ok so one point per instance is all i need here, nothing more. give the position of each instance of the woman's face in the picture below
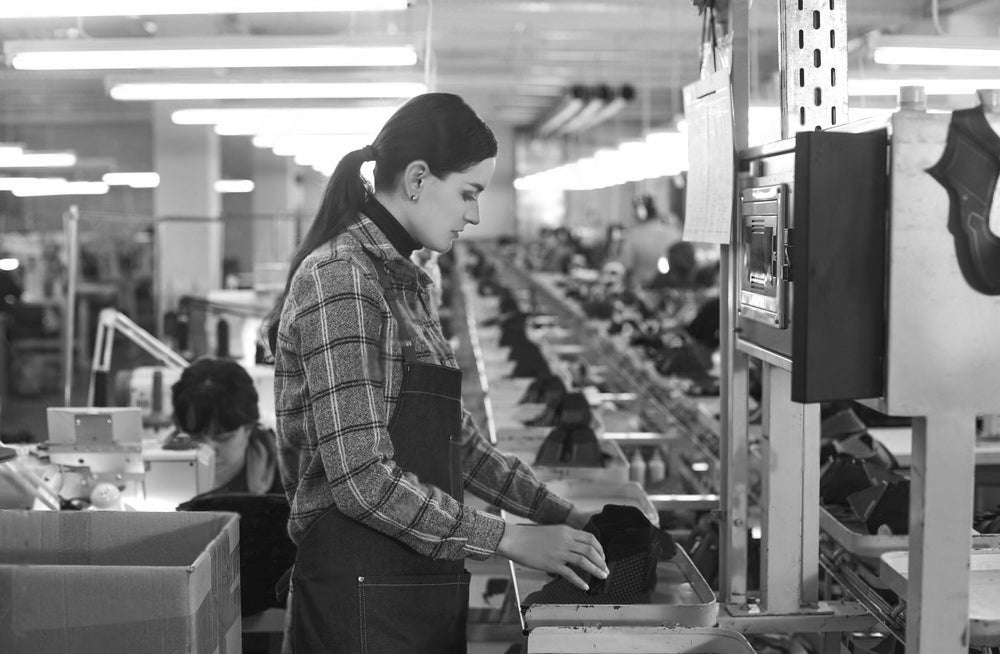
(230, 452)
(445, 206)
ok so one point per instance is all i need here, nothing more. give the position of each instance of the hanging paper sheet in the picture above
(708, 108)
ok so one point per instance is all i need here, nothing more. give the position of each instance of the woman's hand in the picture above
(553, 548)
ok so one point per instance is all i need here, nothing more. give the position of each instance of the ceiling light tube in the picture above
(263, 90)
(218, 52)
(11, 150)
(889, 86)
(234, 186)
(343, 118)
(38, 160)
(134, 180)
(11, 183)
(935, 51)
(51, 186)
(76, 8)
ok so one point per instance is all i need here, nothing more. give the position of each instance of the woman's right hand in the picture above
(552, 548)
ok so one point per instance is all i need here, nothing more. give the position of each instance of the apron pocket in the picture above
(417, 614)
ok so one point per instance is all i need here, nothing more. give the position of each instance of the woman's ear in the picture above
(414, 178)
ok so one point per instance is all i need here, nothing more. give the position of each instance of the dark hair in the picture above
(438, 128)
(214, 395)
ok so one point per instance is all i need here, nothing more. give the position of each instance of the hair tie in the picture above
(368, 152)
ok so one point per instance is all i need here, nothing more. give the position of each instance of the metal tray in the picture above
(637, 640)
(849, 532)
(524, 444)
(984, 591)
(682, 597)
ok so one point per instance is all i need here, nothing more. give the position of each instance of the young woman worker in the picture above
(375, 449)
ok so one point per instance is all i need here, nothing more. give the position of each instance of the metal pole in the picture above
(71, 229)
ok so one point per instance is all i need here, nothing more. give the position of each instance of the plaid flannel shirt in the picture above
(338, 370)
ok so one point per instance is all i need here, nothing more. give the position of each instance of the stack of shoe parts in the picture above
(632, 545)
(857, 474)
(573, 441)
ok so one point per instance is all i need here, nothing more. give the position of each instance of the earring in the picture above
(413, 197)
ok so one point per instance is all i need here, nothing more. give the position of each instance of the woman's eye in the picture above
(469, 197)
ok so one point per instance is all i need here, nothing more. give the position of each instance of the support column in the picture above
(735, 379)
(188, 229)
(237, 208)
(276, 202)
(941, 490)
(790, 546)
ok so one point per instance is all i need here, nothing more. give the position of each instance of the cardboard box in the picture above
(119, 581)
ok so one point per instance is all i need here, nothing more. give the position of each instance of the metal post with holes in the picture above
(813, 56)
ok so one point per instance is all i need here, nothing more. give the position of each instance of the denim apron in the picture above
(358, 590)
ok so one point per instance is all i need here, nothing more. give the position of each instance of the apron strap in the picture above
(405, 333)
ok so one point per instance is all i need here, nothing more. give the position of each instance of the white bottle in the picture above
(637, 467)
(656, 469)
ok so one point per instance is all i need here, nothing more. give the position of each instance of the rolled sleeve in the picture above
(505, 481)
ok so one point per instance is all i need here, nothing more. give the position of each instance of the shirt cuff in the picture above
(487, 530)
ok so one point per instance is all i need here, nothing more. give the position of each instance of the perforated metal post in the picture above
(813, 55)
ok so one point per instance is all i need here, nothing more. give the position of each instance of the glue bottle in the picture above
(656, 468)
(637, 467)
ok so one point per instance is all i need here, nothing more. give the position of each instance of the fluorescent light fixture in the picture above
(889, 86)
(234, 186)
(339, 120)
(218, 52)
(264, 90)
(52, 186)
(935, 51)
(337, 116)
(11, 183)
(75, 8)
(10, 150)
(9, 264)
(135, 180)
(38, 160)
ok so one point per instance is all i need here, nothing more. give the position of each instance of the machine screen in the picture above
(761, 255)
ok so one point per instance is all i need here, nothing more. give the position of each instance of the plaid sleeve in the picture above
(342, 330)
(505, 481)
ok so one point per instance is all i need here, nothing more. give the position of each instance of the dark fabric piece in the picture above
(633, 547)
(396, 233)
(266, 551)
(842, 476)
(891, 507)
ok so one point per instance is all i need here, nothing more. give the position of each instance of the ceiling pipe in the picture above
(569, 107)
(599, 98)
(620, 98)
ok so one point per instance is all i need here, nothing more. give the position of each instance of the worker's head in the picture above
(215, 402)
(433, 158)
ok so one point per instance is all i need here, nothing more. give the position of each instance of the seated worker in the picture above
(215, 402)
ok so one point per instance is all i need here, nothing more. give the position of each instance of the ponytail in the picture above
(346, 191)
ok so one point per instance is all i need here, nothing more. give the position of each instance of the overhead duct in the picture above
(569, 107)
(615, 102)
(600, 97)
(584, 107)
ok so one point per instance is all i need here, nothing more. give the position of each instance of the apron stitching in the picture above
(444, 397)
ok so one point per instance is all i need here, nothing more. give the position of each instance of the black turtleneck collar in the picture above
(396, 233)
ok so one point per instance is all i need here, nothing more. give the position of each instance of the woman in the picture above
(375, 446)
(215, 402)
